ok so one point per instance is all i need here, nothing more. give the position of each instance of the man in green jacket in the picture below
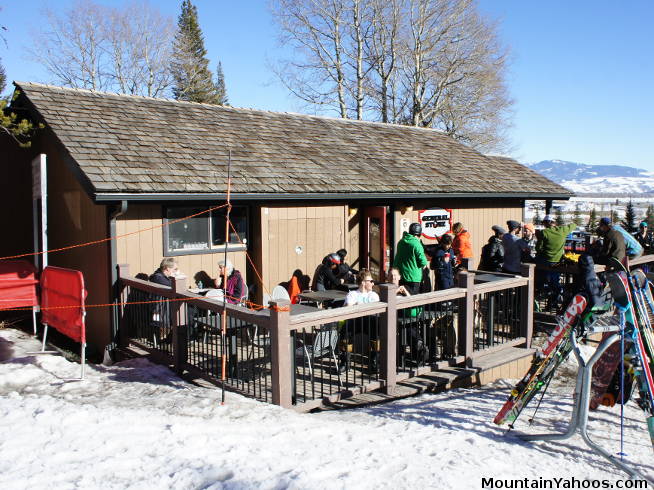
(410, 258)
(549, 251)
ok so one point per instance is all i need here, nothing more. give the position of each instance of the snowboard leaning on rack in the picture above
(556, 349)
(625, 302)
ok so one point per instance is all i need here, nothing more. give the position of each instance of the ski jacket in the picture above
(462, 246)
(612, 246)
(492, 255)
(513, 248)
(410, 258)
(325, 278)
(646, 241)
(632, 247)
(234, 287)
(589, 284)
(551, 241)
(159, 277)
(442, 265)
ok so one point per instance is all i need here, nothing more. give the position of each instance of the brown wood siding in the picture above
(143, 251)
(74, 218)
(319, 230)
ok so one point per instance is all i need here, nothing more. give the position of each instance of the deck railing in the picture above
(305, 360)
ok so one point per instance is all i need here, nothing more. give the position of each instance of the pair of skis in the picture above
(556, 349)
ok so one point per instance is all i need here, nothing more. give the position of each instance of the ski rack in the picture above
(579, 417)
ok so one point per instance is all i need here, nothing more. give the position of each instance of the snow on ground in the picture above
(136, 425)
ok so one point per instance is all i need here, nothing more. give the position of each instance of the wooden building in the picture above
(302, 186)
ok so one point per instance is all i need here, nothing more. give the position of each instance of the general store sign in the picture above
(435, 222)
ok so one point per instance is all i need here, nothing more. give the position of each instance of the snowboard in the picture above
(556, 348)
(603, 372)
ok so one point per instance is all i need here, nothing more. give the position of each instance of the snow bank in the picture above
(135, 425)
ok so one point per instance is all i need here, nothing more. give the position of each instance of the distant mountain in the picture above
(582, 178)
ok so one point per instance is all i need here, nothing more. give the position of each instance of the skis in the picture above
(555, 350)
(623, 299)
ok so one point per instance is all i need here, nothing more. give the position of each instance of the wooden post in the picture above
(388, 336)
(282, 377)
(123, 334)
(178, 323)
(527, 306)
(466, 331)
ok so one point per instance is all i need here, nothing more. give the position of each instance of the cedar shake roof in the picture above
(132, 144)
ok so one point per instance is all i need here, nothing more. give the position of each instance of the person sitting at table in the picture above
(234, 289)
(345, 272)
(325, 277)
(166, 271)
(160, 311)
(364, 294)
(394, 277)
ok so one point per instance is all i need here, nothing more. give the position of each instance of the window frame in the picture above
(213, 249)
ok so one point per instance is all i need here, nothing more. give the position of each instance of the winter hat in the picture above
(498, 229)
(643, 224)
(530, 227)
(605, 221)
(513, 224)
(547, 218)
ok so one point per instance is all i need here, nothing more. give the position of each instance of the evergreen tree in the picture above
(193, 80)
(576, 216)
(592, 221)
(558, 220)
(629, 222)
(649, 216)
(221, 90)
(3, 78)
(537, 220)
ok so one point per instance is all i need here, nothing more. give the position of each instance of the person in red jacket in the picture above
(461, 245)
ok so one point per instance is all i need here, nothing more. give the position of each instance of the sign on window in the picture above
(435, 222)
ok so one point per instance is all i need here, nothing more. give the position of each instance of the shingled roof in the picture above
(134, 145)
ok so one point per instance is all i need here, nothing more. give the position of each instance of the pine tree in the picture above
(629, 222)
(649, 216)
(221, 90)
(537, 220)
(559, 217)
(576, 216)
(3, 78)
(592, 221)
(193, 80)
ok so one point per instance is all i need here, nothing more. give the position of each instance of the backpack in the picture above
(633, 248)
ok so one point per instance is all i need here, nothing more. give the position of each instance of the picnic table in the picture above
(321, 297)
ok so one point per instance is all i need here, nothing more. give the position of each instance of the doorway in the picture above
(376, 251)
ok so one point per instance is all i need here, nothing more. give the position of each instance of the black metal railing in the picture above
(426, 334)
(497, 317)
(335, 356)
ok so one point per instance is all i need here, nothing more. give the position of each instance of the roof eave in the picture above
(101, 197)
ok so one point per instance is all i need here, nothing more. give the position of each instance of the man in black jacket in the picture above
(492, 254)
(161, 312)
(167, 269)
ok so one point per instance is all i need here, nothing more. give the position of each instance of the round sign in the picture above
(435, 222)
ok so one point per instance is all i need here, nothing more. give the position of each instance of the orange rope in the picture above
(95, 242)
(254, 267)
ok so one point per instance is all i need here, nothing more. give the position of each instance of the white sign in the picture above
(435, 222)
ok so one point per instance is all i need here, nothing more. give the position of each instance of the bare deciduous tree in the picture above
(431, 63)
(103, 48)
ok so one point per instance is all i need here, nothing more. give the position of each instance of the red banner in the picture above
(17, 284)
(62, 301)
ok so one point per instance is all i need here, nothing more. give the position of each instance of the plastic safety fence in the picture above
(426, 334)
(335, 356)
(497, 317)
(246, 347)
(150, 323)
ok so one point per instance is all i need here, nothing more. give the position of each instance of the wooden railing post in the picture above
(466, 328)
(121, 320)
(280, 339)
(178, 323)
(527, 306)
(388, 336)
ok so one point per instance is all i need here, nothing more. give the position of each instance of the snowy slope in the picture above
(582, 178)
(135, 425)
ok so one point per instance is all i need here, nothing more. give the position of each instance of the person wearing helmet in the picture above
(410, 258)
(326, 273)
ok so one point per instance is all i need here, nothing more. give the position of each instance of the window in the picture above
(204, 233)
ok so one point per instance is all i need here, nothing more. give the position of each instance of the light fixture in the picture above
(406, 209)
(352, 212)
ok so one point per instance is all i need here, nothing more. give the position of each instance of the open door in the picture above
(376, 252)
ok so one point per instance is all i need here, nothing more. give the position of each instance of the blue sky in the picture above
(582, 74)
